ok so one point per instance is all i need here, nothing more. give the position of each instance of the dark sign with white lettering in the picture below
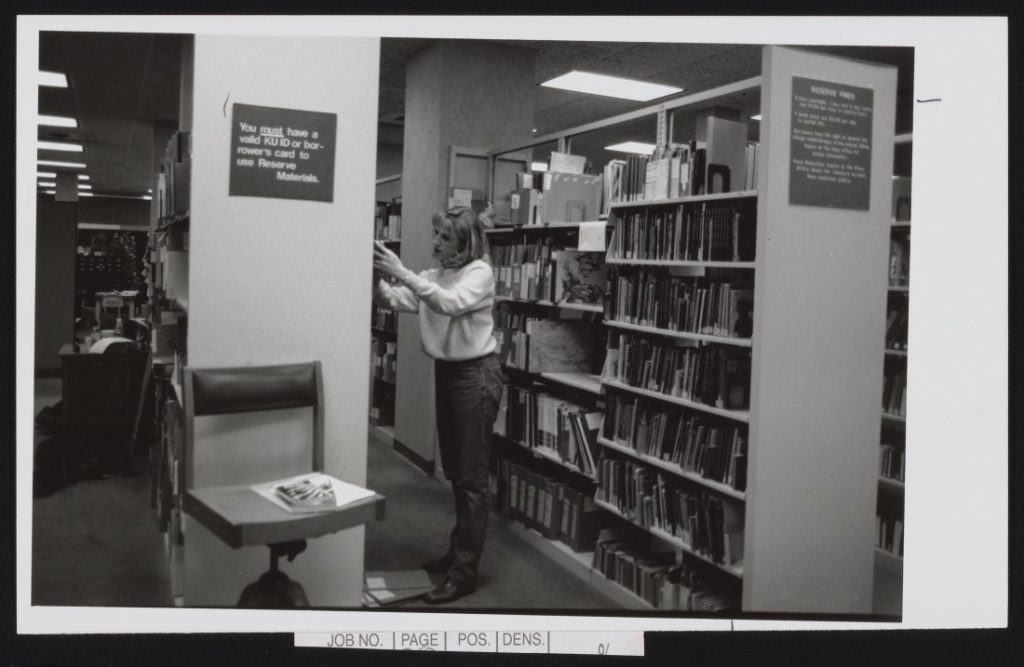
(282, 153)
(830, 145)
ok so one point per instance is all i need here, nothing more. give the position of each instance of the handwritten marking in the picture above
(934, 99)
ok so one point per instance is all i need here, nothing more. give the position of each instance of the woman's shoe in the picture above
(449, 591)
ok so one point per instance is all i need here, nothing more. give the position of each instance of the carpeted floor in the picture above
(420, 515)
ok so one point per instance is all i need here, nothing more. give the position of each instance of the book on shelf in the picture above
(580, 277)
(707, 524)
(693, 304)
(720, 231)
(892, 462)
(899, 261)
(889, 534)
(713, 375)
(311, 492)
(726, 153)
(711, 448)
(896, 326)
(552, 506)
(894, 392)
(544, 346)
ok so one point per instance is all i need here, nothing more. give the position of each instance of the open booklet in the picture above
(312, 492)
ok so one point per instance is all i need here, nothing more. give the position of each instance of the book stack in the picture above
(713, 449)
(639, 571)
(553, 507)
(706, 524)
(714, 375)
(685, 304)
(523, 271)
(565, 430)
(722, 231)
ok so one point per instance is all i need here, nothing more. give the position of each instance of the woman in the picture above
(454, 303)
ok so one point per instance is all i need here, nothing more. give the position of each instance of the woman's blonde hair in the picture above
(468, 229)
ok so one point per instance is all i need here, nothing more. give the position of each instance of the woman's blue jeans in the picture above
(467, 394)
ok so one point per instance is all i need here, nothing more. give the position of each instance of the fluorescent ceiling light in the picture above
(47, 184)
(58, 163)
(84, 186)
(150, 191)
(610, 86)
(632, 147)
(57, 121)
(50, 192)
(538, 166)
(54, 79)
(58, 146)
(756, 116)
(83, 177)
(147, 197)
(46, 174)
(85, 194)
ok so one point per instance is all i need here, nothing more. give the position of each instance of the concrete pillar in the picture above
(461, 93)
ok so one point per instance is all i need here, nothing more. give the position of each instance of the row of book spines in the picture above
(553, 507)
(706, 524)
(896, 326)
(892, 462)
(388, 229)
(656, 578)
(894, 394)
(539, 420)
(668, 172)
(708, 374)
(168, 496)
(384, 319)
(535, 275)
(889, 534)
(715, 453)
(675, 304)
(719, 232)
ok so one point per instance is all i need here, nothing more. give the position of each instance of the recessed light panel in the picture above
(53, 79)
(58, 146)
(632, 147)
(611, 86)
(57, 121)
(58, 163)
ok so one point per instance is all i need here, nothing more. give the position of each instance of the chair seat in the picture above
(241, 517)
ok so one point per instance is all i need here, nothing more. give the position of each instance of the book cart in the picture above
(783, 522)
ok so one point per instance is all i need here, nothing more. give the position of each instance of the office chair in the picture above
(239, 516)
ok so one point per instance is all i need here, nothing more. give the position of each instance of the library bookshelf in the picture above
(811, 390)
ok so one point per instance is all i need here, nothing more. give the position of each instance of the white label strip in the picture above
(484, 641)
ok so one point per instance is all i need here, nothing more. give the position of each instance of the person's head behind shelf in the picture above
(465, 230)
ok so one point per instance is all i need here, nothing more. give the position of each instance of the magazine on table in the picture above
(311, 492)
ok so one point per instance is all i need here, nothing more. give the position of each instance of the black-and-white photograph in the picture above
(503, 325)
